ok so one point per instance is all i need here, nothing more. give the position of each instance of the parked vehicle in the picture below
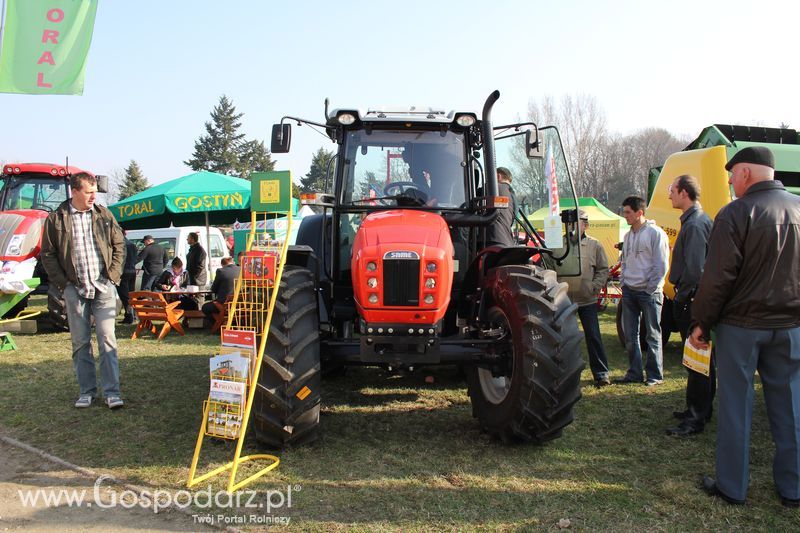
(396, 272)
(30, 191)
(173, 239)
(705, 159)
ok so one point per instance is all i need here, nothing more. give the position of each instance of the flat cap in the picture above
(756, 155)
(504, 171)
(148, 238)
(583, 215)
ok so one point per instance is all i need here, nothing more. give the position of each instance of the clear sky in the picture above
(157, 68)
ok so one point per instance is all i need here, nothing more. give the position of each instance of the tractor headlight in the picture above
(373, 298)
(372, 283)
(15, 245)
(430, 283)
(428, 299)
(431, 267)
(372, 266)
(345, 119)
(465, 120)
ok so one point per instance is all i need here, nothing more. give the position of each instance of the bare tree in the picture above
(582, 124)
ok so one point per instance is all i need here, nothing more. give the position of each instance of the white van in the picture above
(174, 242)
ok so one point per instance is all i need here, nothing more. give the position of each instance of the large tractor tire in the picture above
(287, 398)
(532, 400)
(56, 309)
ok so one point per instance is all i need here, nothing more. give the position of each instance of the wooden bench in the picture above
(220, 314)
(151, 306)
(193, 317)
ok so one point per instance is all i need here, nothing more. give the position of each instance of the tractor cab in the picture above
(406, 275)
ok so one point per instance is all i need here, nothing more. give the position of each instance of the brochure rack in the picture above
(250, 311)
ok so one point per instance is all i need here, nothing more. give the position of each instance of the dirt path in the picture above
(25, 474)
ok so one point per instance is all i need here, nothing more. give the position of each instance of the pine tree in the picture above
(222, 149)
(134, 181)
(314, 181)
(255, 158)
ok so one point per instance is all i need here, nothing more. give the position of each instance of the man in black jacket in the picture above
(223, 285)
(196, 261)
(128, 281)
(750, 293)
(154, 259)
(688, 258)
(501, 230)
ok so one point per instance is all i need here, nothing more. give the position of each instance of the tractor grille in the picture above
(401, 282)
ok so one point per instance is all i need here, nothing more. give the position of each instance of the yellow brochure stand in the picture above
(250, 311)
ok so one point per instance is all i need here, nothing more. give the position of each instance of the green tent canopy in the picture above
(186, 201)
(604, 225)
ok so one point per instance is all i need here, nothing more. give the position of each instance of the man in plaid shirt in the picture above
(82, 251)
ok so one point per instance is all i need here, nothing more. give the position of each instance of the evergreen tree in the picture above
(255, 158)
(222, 149)
(134, 181)
(314, 181)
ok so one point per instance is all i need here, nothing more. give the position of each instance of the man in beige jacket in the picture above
(584, 291)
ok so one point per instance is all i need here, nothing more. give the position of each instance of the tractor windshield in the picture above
(27, 192)
(404, 168)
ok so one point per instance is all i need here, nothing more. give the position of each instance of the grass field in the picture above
(397, 453)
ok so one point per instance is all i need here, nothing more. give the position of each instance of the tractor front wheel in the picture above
(287, 398)
(529, 395)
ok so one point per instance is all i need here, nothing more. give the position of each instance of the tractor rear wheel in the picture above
(287, 398)
(57, 309)
(530, 397)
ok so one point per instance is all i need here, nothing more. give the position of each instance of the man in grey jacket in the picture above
(688, 258)
(645, 256)
(750, 293)
(583, 291)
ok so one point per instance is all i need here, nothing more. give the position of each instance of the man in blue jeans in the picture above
(750, 294)
(645, 259)
(82, 252)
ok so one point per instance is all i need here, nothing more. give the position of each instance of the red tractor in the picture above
(30, 191)
(396, 272)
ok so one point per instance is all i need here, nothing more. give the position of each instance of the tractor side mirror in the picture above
(281, 138)
(102, 183)
(533, 144)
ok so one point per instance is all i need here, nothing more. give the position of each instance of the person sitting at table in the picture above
(223, 286)
(175, 279)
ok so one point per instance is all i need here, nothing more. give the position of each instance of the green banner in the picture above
(44, 45)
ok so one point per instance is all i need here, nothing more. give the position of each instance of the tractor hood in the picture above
(402, 267)
(404, 226)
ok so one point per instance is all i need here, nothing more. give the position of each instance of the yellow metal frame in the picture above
(244, 313)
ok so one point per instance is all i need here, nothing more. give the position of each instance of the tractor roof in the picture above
(427, 115)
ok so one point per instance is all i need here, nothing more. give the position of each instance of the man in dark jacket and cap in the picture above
(750, 294)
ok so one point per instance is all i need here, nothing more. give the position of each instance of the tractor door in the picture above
(536, 191)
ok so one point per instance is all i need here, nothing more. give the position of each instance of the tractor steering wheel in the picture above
(402, 185)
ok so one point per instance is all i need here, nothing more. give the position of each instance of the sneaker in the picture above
(602, 382)
(654, 382)
(84, 401)
(114, 402)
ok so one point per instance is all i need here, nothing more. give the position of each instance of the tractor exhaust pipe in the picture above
(490, 169)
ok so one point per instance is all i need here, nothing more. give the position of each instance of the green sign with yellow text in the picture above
(271, 192)
(44, 46)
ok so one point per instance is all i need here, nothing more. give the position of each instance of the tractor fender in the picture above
(473, 298)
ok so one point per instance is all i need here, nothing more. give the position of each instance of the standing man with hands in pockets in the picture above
(82, 252)
(750, 294)
(645, 256)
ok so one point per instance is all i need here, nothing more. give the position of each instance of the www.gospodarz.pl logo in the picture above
(107, 497)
